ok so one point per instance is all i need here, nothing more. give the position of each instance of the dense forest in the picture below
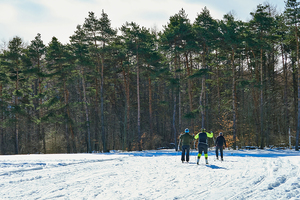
(134, 88)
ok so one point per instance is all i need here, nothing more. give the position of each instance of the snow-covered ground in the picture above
(244, 174)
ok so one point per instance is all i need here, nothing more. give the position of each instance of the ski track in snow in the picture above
(151, 175)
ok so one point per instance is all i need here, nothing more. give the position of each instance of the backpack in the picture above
(203, 137)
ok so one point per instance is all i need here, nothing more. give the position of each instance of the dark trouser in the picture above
(185, 148)
(221, 151)
(202, 147)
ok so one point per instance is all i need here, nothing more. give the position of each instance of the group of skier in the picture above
(202, 136)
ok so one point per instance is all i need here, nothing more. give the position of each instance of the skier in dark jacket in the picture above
(186, 139)
(219, 145)
(202, 144)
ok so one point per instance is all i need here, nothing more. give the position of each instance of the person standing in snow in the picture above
(202, 144)
(186, 139)
(219, 145)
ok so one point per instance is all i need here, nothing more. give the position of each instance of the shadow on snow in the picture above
(214, 167)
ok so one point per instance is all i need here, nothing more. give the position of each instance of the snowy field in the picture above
(244, 174)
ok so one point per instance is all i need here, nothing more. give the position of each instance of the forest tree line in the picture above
(134, 88)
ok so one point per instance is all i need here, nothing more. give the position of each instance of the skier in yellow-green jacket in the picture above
(202, 144)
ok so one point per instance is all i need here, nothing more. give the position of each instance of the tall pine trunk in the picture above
(298, 121)
(67, 120)
(189, 69)
(150, 113)
(262, 135)
(201, 104)
(127, 109)
(96, 114)
(87, 121)
(179, 95)
(138, 102)
(1, 126)
(287, 118)
(173, 121)
(218, 93)
(203, 92)
(73, 142)
(256, 100)
(41, 131)
(174, 104)
(102, 106)
(17, 116)
(234, 108)
(99, 67)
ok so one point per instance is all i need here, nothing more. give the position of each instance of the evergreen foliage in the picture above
(138, 89)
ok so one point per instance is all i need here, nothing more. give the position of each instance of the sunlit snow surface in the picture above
(244, 174)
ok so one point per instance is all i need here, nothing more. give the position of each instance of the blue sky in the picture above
(59, 18)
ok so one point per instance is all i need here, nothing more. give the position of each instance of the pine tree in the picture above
(282, 32)
(121, 57)
(81, 54)
(152, 59)
(261, 24)
(206, 37)
(14, 60)
(174, 41)
(99, 34)
(135, 39)
(4, 99)
(292, 11)
(231, 33)
(59, 71)
(36, 52)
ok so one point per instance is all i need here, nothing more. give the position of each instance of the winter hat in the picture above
(186, 130)
(221, 133)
